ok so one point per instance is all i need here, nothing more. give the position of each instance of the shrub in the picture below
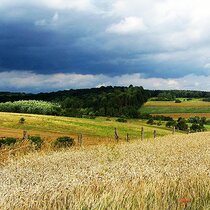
(22, 120)
(7, 141)
(121, 120)
(171, 123)
(197, 127)
(64, 141)
(150, 121)
(198, 120)
(178, 101)
(36, 141)
(182, 124)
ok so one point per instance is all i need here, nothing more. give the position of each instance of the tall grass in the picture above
(152, 174)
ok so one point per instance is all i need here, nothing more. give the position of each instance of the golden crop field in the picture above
(170, 172)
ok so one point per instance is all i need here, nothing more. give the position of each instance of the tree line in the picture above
(110, 101)
(172, 94)
(104, 101)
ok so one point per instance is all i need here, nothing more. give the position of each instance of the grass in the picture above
(151, 174)
(53, 126)
(195, 107)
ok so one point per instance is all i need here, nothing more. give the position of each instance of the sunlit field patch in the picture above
(99, 128)
(190, 108)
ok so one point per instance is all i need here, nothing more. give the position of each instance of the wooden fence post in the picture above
(142, 133)
(127, 137)
(116, 135)
(25, 136)
(155, 134)
(80, 140)
(174, 130)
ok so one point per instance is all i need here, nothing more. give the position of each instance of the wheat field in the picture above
(166, 173)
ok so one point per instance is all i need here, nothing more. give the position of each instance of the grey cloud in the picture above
(155, 38)
(32, 82)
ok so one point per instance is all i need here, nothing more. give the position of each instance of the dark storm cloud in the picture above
(156, 39)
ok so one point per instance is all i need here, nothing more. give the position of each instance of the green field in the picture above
(193, 107)
(52, 126)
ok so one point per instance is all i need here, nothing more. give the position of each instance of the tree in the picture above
(182, 124)
(197, 127)
(22, 120)
(150, 121)
(171, 123)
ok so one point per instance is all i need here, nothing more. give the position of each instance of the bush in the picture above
(7, 141)
(121, 120)
(178, 101)
(171, 124)
(22, 120)
(150, 121)
(197, 127)
(36, 141)
(182, 124)
(64, 141)
(198, 120)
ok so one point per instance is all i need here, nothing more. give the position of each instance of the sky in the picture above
(48, 45)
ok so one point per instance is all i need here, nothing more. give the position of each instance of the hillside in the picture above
(165, 173)
(95, 131)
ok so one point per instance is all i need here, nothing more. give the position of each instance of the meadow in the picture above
(194, 107)
(94, 130)
(170, 172)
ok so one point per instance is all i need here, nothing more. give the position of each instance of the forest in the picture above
(104, 101)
